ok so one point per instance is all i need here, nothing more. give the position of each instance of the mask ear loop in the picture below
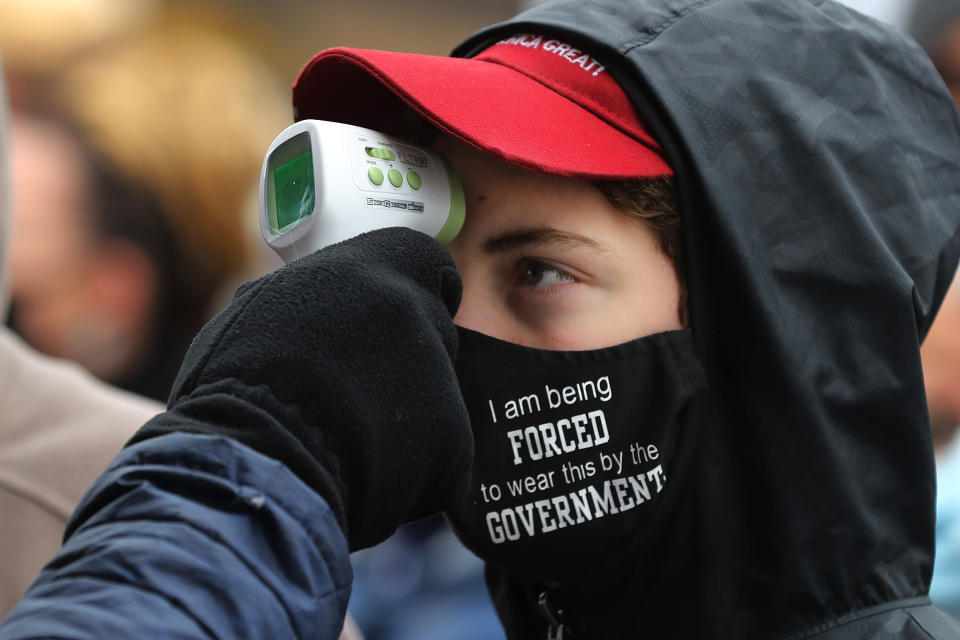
(554, 617)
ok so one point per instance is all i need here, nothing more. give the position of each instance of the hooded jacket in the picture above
(817, 156)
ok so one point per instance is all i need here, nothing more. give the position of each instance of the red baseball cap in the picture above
(533, 101)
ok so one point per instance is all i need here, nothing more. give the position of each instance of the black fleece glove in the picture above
(340, 365)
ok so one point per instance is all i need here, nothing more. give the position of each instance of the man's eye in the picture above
(541, 274)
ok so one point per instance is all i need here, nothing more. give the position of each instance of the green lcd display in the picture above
(290, 190)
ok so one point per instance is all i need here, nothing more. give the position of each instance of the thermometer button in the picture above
(413, 179)
(375, 176)
(395, 177)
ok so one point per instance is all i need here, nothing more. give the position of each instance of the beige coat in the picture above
(59, 427)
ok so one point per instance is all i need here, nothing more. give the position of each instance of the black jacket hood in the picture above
(817, 155)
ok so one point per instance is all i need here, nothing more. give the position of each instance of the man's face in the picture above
(51, 246)
(75, 296)
(548, 262)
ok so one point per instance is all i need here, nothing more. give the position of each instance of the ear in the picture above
(125, 285)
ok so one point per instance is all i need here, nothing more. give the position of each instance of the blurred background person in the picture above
(935, 25)
(139, 129)
(61, 426)
(94, 263)
(59, 429)
(941, 372)
(102, 276)
(135, 196)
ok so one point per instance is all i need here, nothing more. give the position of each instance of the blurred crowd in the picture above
(135, 137)
(137, 131)
(135, 152)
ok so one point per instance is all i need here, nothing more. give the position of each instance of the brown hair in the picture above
(653, 202)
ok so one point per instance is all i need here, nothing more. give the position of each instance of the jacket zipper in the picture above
(557, 629)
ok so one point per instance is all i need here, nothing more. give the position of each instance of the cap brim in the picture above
(486, 104)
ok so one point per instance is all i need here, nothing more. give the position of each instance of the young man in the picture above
(611, 494)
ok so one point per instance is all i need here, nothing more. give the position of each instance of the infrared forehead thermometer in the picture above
(323, 182)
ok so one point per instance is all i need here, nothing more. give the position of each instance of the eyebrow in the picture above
(516, 238)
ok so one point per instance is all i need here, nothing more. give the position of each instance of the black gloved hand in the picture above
(340, 365)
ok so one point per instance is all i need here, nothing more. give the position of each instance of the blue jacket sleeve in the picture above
(190, 536)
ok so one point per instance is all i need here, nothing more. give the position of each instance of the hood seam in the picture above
(626, 47)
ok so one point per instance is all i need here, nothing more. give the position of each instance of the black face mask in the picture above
(573, 448)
